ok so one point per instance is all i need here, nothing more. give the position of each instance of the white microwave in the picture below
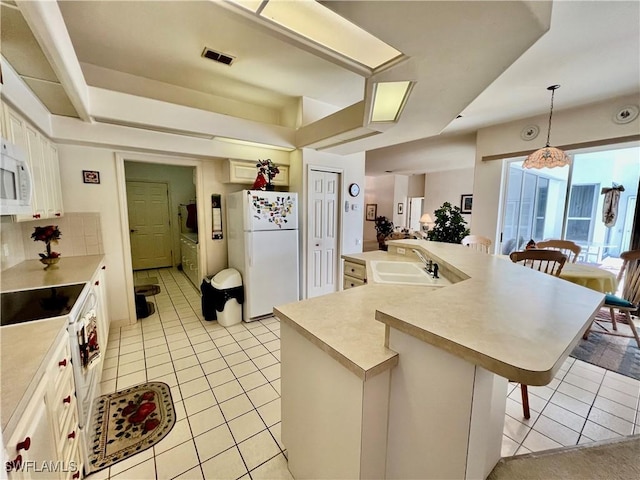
(15, 181)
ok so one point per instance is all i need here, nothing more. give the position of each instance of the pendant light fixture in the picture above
(547, 157)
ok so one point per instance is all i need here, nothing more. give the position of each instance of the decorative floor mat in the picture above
(147, 290)
(130, 421)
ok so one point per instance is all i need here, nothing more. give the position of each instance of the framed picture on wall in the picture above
(371, 212)
(400, 208)
(466, 202)
(90, 176)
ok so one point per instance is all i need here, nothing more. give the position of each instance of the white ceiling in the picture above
(466, 57)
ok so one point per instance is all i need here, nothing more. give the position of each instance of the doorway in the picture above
(322, 240)
(149, 225)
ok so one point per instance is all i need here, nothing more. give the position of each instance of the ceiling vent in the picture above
(217, 56)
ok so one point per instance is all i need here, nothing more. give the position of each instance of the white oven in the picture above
(15, 180)
(87, 359)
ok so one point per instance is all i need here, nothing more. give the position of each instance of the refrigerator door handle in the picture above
(250, 249)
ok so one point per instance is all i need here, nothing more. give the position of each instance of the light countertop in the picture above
(25, 350)
(518, 323)
(27, 346)
(31, 274)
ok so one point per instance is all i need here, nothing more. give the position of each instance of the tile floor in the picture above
(226, 389)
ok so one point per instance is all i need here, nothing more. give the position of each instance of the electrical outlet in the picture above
(401, 251)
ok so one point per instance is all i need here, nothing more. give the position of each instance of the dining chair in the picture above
(546, 261)
(626, 304)
(477, 242)
(569, 248)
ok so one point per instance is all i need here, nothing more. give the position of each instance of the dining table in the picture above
(590, 276)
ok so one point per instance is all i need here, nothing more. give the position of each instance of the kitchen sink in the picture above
(404, 273)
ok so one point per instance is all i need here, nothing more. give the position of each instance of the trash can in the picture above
(222, 297)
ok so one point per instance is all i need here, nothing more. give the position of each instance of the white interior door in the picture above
(150, 230)
(322, 248)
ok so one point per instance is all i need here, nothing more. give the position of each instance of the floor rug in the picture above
(130, 421)
(147, 290)
(619, 354)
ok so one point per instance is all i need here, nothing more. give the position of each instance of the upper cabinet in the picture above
(42, 158)
(244, 172)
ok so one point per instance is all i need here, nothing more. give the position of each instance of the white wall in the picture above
(581, 125)
(447, 186)
(103, 198)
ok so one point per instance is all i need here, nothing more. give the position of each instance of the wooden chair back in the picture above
(477, 242)
(569, 248)
(630, 273)
(546, 261)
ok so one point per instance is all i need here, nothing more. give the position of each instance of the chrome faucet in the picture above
(429, 265)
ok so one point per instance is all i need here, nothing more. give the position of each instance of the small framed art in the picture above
(90, 176)
(466, 202)
(371, 211)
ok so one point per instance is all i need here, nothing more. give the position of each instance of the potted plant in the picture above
(449, 226)
(384, 228)
(49, 234)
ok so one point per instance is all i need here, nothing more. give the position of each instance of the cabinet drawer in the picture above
(355, 270)
(62, 402)
(350, 282)
(69, 437)
(60, 365)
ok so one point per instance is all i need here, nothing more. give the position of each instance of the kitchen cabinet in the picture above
(241, 171)
(355, 275)
(44, 442)
(189, 257)
(42, 158)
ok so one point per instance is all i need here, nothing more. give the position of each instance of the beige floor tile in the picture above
(258, 449)
(206, 420)
(214, 442)
(189, 374)
(227, 391)
(515, 430)
(235, 407)
(270, 412)
(180, 433)
(214, 365)
(199, 402)
(253, 380)
(143, 470)
(185, 362)
(571, 404)
(556, 431)
(509, 447)
(130, 462)
(235, 358)
(194, 474)
(598, 432)
(615, 408)
(178, 460)
(246, 426)
(228, 464)
(537, 442)
(611, 422)
(220, 377)
(189, 389)
(564, 417)
(244, 368)
(262, 394)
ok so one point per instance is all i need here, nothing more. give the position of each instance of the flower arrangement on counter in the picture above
(267, 170)
(49, 234)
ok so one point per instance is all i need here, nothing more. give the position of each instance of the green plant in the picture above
(384, 226)
(449, 226)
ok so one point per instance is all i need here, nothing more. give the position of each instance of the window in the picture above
(581, 214)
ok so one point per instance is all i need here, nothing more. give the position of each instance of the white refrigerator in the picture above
(263, 246)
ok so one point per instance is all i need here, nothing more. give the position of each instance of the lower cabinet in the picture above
(189, 256)
(355, 275)
(45, 442)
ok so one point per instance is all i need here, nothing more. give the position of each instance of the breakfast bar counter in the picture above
(409, 380)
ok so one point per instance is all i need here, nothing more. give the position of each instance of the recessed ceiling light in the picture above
(323, 26)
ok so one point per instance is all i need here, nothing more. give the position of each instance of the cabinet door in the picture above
(52, 176)
(14, 128)
(35, 159)
(34, 431)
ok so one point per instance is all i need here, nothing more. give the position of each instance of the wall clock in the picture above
(354, 189)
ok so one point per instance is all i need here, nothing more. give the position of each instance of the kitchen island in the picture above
(406, 381)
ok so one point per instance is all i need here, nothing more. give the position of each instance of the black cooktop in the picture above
(29, 305)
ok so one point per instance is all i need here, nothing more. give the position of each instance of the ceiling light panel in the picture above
(389, 98)
(325, 27)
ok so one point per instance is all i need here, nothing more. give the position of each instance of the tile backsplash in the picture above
(81, 234)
